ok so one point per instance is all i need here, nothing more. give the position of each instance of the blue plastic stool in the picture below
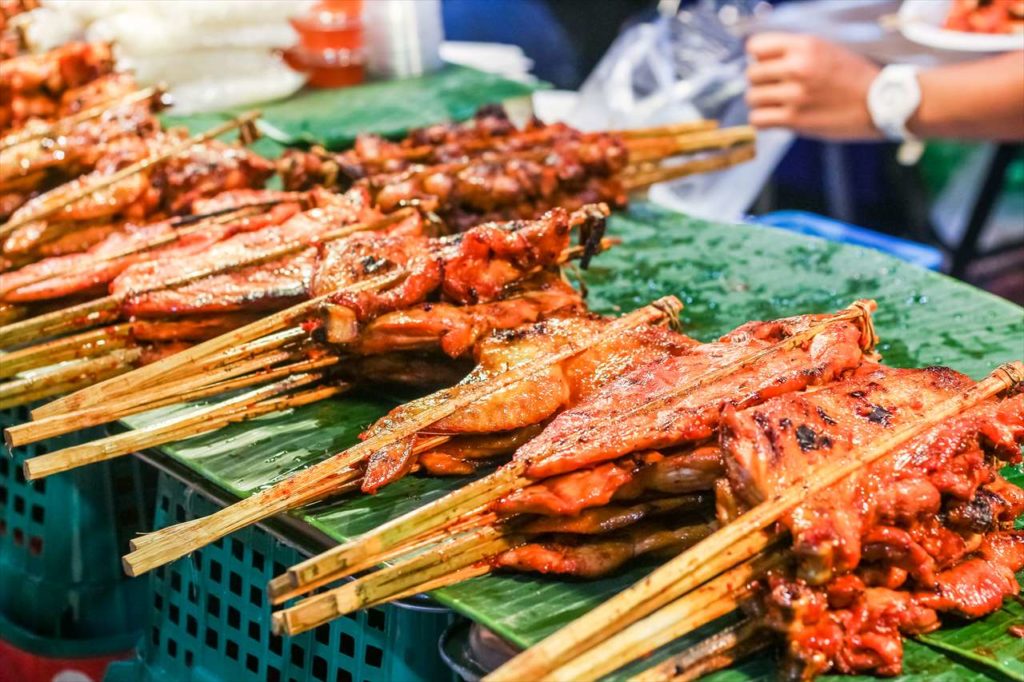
(815, 225)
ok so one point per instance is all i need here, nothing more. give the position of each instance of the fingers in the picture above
(772, 117)
(772, 71)
(775, 94)
(765, 46)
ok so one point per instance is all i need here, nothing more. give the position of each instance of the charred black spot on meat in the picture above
(825, 418)
(785, 422)
(808, 439)
(977, 515)
(880, 415)
(371, 264)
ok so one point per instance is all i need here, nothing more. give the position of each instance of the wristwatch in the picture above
(893, 98)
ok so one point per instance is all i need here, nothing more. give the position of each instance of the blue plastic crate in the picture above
(815, 225)
(60, 541)
(211, 619)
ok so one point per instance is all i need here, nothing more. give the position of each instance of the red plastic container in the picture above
(328, 69)
(339, 32)
(18, 665)
(330, 45)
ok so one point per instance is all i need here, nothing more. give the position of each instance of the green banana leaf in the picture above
(726, 275)
(334, 117)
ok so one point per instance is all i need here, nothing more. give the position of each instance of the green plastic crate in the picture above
(211, 619)
(60, 542)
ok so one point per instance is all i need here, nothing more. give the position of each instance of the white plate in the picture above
(921, 21)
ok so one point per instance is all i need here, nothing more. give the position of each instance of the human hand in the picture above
(815, 87)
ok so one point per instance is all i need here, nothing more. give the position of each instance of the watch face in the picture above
(890, 94)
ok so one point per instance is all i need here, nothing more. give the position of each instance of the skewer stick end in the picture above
(278, 623)
(279, 588)
(129, 568)
(34, 469)
(1012, 373)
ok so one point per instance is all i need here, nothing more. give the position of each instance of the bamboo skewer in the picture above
(480, 493)
(67, 378)
(669, 129)
(206, 377)
(445, 552)
(718, 651)
(102, 392)
(203, 378)
(237, 213)
(194, 423)
(453, 578)
(107, 308)
(80, 316)
(31, 432)
(334, 482)
(385, 584)
(118, 357)
(11, 313)
(81, 192)
(85, 345)
(698, 608)
(224, 362)
(641, 177)
(173, 545)
(654, 148)
(732, 544)
(280, 589)
(30, 133)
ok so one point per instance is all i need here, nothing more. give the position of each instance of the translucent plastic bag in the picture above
(684, 65)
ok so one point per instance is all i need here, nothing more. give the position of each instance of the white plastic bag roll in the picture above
(198, 65)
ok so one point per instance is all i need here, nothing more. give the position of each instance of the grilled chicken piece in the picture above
(31, 85)
(848, 626)
(188, 329)
(456, 329)
(475, 267)
(489, 132)
(772, 446)
(51, 160)
(613, 517)
(623, 418)
(623, 479)
(568, 555)
(98, 265)
(170, 187)
(470, 174)
(261, 286)
(536, 398)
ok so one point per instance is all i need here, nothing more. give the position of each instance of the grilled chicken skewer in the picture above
(249, 270)
(142, 177)
(481, 265)
(468, 269)
(944, 417)
(764, 358)
(165, 545)
(60, 153)
(590, 487)
(489, 170)
(34, 85)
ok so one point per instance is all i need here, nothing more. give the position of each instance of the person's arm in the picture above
(818, 88)
(982, 100)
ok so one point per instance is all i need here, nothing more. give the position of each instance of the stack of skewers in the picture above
(251, 252)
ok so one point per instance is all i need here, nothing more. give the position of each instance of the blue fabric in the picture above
(530, 24)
